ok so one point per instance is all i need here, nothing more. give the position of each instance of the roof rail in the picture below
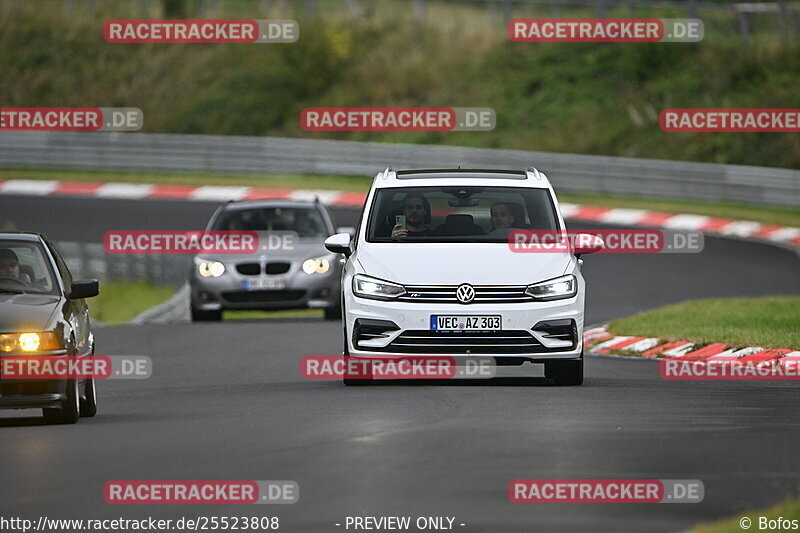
(386, 172)
(532, 172)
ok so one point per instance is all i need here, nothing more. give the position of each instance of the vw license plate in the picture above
(466, 322)
(262, 284)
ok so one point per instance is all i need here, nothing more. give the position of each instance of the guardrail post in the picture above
(311, 8)
(783, 16)
(420, 9)
(744, 27)
(601, 9)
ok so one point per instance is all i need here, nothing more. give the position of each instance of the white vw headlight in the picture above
(554, 289)
(376, 289)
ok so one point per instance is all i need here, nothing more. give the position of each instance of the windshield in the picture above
(23, 268)
(458, 214)
(306, 222)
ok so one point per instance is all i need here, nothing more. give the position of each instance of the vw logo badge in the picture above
(465, 293)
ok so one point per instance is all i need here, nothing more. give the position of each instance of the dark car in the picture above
(291, 270)
(43, 313)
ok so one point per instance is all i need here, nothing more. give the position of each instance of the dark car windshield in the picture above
(306, 222)
(24, 268)
(458, 213)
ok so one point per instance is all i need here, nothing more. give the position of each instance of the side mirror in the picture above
(586, 243)
(339, 244)
(84, 288)
(350, 230)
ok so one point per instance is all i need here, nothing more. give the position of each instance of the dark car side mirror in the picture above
(84, 288)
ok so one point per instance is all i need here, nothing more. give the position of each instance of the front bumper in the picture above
(518, 320)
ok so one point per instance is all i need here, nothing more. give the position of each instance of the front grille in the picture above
(248, 269)
(485, 294)
(459, 342)
(263, 296)
(278, 268)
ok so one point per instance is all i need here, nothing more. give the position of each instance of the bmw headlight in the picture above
(318, 265)
(209, 269)
(376, 289)
(29, 342)
(554, 289)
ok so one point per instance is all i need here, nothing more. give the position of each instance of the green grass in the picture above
(769, 322)
(789, 510)
(266, 315)
(118, 302)
(763, 214)
(554, 97)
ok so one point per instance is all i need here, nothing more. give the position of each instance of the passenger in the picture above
(304, 226)
(417, 210)
(502, 217)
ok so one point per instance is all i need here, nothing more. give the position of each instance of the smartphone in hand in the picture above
(400, 220)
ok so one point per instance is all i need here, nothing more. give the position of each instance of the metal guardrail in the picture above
(90, 260)
(235, 154)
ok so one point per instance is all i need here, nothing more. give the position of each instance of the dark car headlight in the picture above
(29, 342)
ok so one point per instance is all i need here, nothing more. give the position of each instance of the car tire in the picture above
(70, 411)
(565, 372)
(333, 312)
(89, 401)
(199, 315)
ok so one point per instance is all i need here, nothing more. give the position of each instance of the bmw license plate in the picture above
(263, 284)
(466, 322)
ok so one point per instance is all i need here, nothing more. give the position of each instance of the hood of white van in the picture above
(453, 264)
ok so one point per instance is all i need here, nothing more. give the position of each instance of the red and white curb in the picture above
(212, 193)
(599, 341)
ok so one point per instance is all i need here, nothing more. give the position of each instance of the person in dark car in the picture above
(9, 267)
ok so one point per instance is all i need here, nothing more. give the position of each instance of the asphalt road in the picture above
(226, 401)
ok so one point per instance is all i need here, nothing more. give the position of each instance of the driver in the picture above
(417, 210)
(9, 266)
